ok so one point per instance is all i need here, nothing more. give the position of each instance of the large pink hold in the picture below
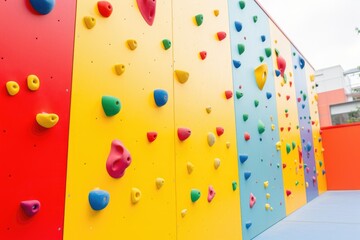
(183, 133)
(281, 63)
(252, 200)
(147, 9)
(119, 159)
(30, 207)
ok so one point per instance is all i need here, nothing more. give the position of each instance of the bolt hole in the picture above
(137, 194)
(117, 103)
(34, 207)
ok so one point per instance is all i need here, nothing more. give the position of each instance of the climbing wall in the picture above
(305, 122)
(292, 164)
(260, 171)
(35, 66)
(206, 163)
(121, 144)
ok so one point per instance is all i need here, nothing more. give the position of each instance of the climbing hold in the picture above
(159, 182)
(217, 163)
(105, 8)
(98, 199)
(312, 77)
(183, 212)
(238, 26)
(166, 43)
(261, 58)
(297, 182)
(219, 131)
(221, 35)
(203, 55)
(160, 97)
(182, 76)
(90, 22)
(208, 109)
(293, 145)
(261, 73)
(241, 48)
(255, 18)
(183, 133)
(135, 195)
(287, 97)
(263, 38)
(288, 148)
(284, 165)
(151, 136)
(199, 19)
(147, 9)
(30, 207)
(248, 225)
(256, 103)
(267, 195)
(33, 82)
(261, 127)
(189, 167)
(320, 163)
(268, 52)
(288, 192)
(268, 95)
(277, 52)
(316, 97)
(195, 195)
(47, 120)
(272, 127)
(301, 62)
(242, 4)
(323, 172)
(211, 193)
(267, 206)
(247, 175)
(236, 63)
(132, 44)
(111, 105)
(246, 136)
(252, 200)
(228, 94)
(308, 146)
(245, 117)
(266, 184)
(119, 69)
(43, 7)
(239, 94)
(12, 88)
(118, 160)
(304, 97)
(243, 158)
(281, 63)
(278, 146)
(277, 73)
(216, 12)
(234, 185)
(211, 139)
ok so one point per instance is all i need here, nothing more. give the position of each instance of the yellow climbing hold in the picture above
(90, 22)
(217, 163)
(216, 12)
(47, 120)
(159, 182)
(208, 109)
(211, 139)
(183, 212)
(267, 195)
(228, 145)
(267, 206)
(316, 97)
(33, 82)
(135, 195)
(182, 76)
(132, 44)
(272, 127)
(190, 167)
(261, 73)
(312, 77)
(119, 69)
(12, 87)
(278, 146)
(266, 184)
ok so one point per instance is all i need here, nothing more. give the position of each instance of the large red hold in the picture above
(147, 9)
(183, 133)
(105, 8)
(118, 160)
(281, 63)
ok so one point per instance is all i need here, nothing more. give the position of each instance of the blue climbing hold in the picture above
(263, 38)
(268, 95)
(303, 106)
(243, 158)
(161, 97)
(308, 146)
(248, 225)
(238, 26)
(99, 199)
(301, 62)
(247, 175)
(277, 73)
(43, 6)
(236, 63)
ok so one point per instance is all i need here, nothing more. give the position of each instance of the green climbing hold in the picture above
(304, 97)
(199, 19)
(111, 105)
(166, 43)
(293, 144)
(242, 4)
(195, 195)
(288, 148)
(285, 78)
(245, 117)
(268, 52)
(286, 111)
(256, 103)
(239, 94)
(261, 127)
(241, 48)
(255, 18)
(261, 58)
(234, 185)
(294, 53)
(277, 52)
(296, 183)
(320, 163)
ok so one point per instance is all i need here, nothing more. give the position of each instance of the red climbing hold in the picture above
(228, 94)
(288, 192)
(118, 160)
(203, 55)
(151, 136)
(290, 83)
(105, 8)
(300, 155)
(289, 128)
(281, 63)
(219, 131)
(221, 35)
(286, 115)
(183, 133)
(299, 99)
(147, 9)
(281, 129)
(288, 97)
(284, 165)
(246, 136)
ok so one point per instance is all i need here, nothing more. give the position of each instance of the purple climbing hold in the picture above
(30, 207)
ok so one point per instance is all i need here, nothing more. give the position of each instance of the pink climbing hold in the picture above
(252, 200)
(288, 192)
(30, 207)
(211, 193)
(151, 136)
(203, 55)
(221, 35)
(183, 133)
(281, 63)
(246, 136)
(219, 131)
(147, 9)
(105, 8)
(118, 160)
(228, 94)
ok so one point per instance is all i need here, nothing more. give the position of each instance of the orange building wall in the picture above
(325, 100)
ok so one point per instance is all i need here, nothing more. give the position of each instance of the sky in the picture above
(323, 30)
